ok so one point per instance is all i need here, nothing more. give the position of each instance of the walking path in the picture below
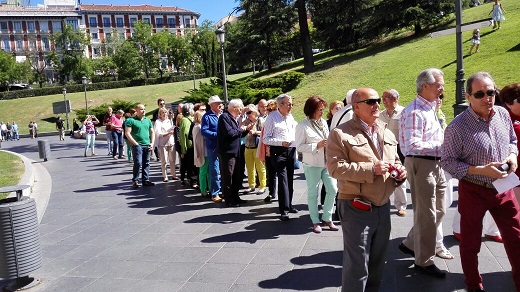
(100, 234)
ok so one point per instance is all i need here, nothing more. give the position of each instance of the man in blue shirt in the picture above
(209, 131)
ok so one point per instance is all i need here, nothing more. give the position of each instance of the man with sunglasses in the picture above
(476, 143)
(420, 139)
(361, 154)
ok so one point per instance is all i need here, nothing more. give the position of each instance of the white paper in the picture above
(507, 183)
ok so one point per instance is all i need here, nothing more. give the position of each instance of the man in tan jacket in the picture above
(362, 156)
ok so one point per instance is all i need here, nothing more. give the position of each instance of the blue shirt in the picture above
(208, 127)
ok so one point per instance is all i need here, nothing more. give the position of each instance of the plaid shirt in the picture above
(419, 131)
(279, 129)
(469, 140)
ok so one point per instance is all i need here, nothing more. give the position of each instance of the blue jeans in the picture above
(141, 156)
(214, 171)
(117, 143)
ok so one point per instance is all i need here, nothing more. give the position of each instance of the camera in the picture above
(394, 172)
(504, 167)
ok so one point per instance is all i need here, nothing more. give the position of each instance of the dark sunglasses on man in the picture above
(371, 101)
(481, 94)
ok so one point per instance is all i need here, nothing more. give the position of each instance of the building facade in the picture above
(25, 31)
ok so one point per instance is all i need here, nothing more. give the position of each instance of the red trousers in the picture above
(474, 201)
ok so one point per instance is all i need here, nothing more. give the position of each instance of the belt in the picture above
(479, 182)
(251, 147)
(434, 158)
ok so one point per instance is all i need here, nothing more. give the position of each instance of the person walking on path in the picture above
(421, 137)
(362, 156)
(280, 135)
(311, 140)
(477, 143)
(497, 14)
(141, 136)
(108, 129)
(60, 128)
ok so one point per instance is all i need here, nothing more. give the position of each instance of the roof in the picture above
(134, 8)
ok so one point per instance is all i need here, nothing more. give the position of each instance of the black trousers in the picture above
(271, 177)
(282, 159)
(230, 178)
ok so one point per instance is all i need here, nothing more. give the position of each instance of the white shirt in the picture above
(279, 129)
(344, 114)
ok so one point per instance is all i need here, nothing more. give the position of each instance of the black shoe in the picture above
(431, 270)
(135, 185)
(294, 211)
(240, 201)
(284, 217)
(148, 183)
(406, 250)
(233, 205)
(268, 199)
(477, 290)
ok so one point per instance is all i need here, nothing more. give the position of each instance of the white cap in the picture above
(214, 99)
(348, 98)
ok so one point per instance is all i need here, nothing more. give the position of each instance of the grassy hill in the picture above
(393, 64)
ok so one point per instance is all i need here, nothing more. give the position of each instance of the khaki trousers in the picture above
(428, 187)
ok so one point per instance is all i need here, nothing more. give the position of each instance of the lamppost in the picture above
(193, 70)
(84, 81)
(66, 107)
(460, 100)
(221, 38)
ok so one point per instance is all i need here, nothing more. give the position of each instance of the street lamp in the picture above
(221, 38)
(66, 107)
(84, 81)
(193, 70)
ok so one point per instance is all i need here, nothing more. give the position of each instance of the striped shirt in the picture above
(371, 132)
(278, 129)
(419, 131)
(471, 141)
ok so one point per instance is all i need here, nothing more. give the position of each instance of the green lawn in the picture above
(392, 64)
(11, 170)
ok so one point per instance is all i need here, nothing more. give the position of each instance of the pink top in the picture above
(117, 123)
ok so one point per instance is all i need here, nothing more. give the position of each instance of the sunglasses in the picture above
(481, 94)
(371, 101)
(248, 113)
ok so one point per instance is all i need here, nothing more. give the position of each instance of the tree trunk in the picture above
(308, 62)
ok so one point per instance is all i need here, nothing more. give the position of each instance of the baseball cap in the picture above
(214, 99)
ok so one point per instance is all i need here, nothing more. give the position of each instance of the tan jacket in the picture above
(350, 159)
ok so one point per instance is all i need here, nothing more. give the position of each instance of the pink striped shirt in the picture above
(420, 132)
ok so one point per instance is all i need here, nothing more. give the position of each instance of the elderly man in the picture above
(279, 134)
(391, 116)
(362, 156)
(209, 131)
(140, 134)
(228, 149)
(420, 138)
(476, 143)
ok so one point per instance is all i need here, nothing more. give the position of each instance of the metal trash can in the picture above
(20, 250)
(44, 149)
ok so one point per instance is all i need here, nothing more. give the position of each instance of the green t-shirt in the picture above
(140, 130)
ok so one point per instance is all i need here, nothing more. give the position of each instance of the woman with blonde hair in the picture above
(334, 107)
(200, 158)
(163, 129)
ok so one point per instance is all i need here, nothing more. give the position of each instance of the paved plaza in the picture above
(99, 234)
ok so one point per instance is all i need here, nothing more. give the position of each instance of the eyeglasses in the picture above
(248, 113)
(371, 101)
(287, 103)
(481, 94)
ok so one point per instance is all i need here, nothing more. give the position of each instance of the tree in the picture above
(305, 38)
(68, 54)
(204, 44)
(142, 38)
(268, 24)
(7, 66)
(128, 61)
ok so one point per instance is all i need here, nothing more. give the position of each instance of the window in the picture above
(92, 21)
(19, 45)
(171, 22)
(73, 24)
(6, 45)
(119, 22)
(30, 26)
(159, 22)
(56, 26)
(96, 51)
(106, 21)
(44, 26)
(17, 25)
(3, 25)
(94, 36)
(146, 20)
(46, 45)
(187, 22)
(108, 36)
(133, 20)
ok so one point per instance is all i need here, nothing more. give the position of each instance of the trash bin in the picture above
(20, 250)
(44, 149)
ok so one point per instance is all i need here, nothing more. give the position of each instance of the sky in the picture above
(212, 10)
